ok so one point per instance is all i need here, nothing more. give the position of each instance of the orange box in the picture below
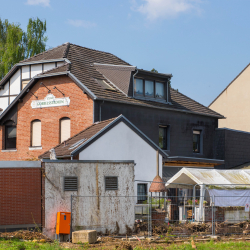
(63, 223)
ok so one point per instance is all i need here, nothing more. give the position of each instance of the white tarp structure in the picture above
(231, 187)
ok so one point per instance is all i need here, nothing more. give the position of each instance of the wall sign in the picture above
(50, 101)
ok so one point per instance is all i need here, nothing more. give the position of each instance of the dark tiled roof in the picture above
(65, 148)
(84, 66)
(118, 75)
(57, 52)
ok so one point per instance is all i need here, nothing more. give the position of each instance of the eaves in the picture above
(164, 108)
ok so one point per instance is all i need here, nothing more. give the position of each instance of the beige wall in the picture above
(234, 103)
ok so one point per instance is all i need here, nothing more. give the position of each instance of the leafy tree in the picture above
(17, 45)
(154, 70)
(35, 37)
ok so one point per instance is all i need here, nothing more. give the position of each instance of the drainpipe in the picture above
(100, 112)
(134, 79)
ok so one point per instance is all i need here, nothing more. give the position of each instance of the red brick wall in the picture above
(80, 111)
(20, 196)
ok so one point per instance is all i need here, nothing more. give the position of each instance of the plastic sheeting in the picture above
(227, 198)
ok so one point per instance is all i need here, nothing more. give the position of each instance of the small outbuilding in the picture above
(224, 188)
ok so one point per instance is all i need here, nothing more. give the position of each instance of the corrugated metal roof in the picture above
(211, 177)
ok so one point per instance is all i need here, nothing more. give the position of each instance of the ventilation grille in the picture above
(111, 183)
(70, 183)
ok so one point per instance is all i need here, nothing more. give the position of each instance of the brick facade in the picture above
(20, 196)
(80, 112)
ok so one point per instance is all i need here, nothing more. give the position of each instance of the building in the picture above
(233, 103)
(100, 202)
(58, 93)
(115, 139)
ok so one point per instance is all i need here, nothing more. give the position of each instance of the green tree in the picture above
(154, 70)
(35, 37)
(17, 45)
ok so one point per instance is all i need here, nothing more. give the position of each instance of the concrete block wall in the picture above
(80, 112)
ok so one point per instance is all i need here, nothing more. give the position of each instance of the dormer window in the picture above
(149, 89)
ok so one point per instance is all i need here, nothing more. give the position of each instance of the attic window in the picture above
(77, 143)
(70, 183)
(111, 183)
(104, 84)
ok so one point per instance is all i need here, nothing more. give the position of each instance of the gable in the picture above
(120, 142)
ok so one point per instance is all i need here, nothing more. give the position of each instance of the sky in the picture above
(203, 43)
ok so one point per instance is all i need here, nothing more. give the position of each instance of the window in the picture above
(10, 135)
(159, 90)
(142, 193)
(139, 87)
(149, 89)
(111, 183)
(24, 83)
(70, 183)
(163, 144)
(196, 141)
(64, 129)
(36, 133)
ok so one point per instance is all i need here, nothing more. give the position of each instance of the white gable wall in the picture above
(122, 143)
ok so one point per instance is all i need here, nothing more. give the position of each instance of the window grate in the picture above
(111, 183)
(70, 183)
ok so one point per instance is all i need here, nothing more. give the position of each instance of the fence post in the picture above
(70, 235)
(212, 216)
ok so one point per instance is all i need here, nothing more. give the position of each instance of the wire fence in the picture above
(162, 214)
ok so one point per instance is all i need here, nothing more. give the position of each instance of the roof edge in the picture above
(113, 123)
(171, 109)
(229, 85)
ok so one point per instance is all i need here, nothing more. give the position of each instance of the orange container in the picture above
(63, 223)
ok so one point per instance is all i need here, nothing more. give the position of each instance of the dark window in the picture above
(163, 137)
(196, 141)
(159, 90)
(150, 89)
(138, 87)
(10, 136)
(70, 183)
(142, 193)
(111, 183)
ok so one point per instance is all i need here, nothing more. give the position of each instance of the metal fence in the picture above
(180, 215)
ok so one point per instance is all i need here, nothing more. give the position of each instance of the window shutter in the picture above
(36, 133)
(111, 183)
(65, 129)
(70, 183)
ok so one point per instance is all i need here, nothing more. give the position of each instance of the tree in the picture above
(35, 39)
(17, 45)
(154, 70)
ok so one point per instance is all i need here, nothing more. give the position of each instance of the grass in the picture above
(16, 244)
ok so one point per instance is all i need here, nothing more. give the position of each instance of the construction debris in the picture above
(25, 235)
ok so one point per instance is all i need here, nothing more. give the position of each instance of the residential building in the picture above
(233, 103)
(58, 93)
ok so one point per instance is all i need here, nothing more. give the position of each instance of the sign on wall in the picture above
(50, 101)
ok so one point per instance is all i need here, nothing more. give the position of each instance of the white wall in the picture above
(122, 143)
(95, 212)
(48, 66)
(5, 91)
(4, 102)
(15, 83)
(26, 72)
(36, 69)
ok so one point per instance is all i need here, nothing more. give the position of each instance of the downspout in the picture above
(134, 79)
(100, 111)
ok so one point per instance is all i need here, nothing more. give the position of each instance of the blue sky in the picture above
(203, 43)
